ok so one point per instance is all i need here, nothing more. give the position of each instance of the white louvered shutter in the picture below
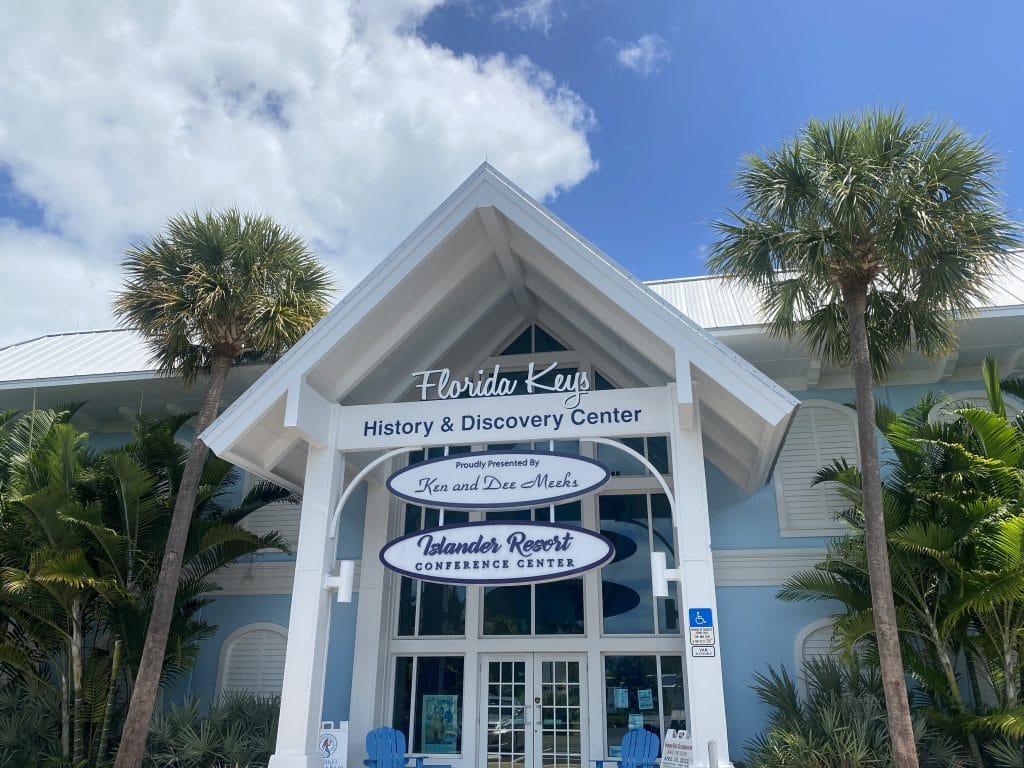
(818, 435)
(818, 644)
(255, 662)
(283, 518)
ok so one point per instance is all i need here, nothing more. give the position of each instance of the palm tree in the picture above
(869, 235)
(211, 289)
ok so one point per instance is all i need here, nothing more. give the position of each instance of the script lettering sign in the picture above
(498, 479)
(497, 552)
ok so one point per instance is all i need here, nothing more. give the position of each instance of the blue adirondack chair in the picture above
(385, 748)
(639, 750)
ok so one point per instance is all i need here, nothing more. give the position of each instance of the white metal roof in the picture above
(91, 355)
(716, 303)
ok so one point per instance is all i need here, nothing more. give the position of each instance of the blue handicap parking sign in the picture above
(701, 617)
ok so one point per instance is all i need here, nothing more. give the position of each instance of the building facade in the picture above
(674, 387)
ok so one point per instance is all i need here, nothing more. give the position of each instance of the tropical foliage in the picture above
(955, 525)
(839, 723)
(237, 731)
(870, 235)
(210, 290)
(81, 537)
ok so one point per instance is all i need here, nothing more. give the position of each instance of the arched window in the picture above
(252, 659)
(821, 432)
(975, 398)
(815, 641)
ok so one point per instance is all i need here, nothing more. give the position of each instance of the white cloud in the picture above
(529, 14)
(333, 117)
(643, 56)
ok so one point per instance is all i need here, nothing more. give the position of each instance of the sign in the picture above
(702, 651)
(497, 552)
(333, 744)
(645, 698)
(440, 723)
(677, 749)
(603, 413)
(498, 479)
(701, 617)
(440, 383)
(621, 698)
(702, 635)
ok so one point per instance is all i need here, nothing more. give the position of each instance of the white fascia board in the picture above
(64, 381)
(744, 380)
(303, 357)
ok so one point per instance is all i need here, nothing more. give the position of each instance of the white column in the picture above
(705, 705)
(370, 652)
(305, 665)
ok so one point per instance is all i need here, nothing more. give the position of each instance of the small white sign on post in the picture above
(702, 635)
(333, 744)
(677, 749)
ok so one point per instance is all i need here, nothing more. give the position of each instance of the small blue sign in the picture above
(701, 617)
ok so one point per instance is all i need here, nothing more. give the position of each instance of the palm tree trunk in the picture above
(108, 709)
(78, 750)
(65, 716)
(147, 678)
(894, 684)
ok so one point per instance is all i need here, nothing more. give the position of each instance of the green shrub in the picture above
(840, 723)
(237, 731)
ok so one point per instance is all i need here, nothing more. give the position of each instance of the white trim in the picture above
(259, 626)
(262, 578)
(837, 528)
(762, 567)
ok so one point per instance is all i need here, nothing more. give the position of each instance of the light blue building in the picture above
(715, 477)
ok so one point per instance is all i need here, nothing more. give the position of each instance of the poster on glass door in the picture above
(439, 714)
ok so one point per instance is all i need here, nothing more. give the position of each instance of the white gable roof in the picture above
(487, 261)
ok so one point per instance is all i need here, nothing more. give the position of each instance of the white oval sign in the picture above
(498, 479)
(498, 552)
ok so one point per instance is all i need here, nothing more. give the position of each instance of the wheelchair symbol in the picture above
(701, 617)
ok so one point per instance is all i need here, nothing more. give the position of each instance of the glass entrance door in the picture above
(534, 710)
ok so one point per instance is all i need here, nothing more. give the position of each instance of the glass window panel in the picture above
(442, 609)
(415, 457)
(508, 514)
(521, 345)
(600, 382)
(570, 513)
(438, 729)
(657, 453)
(627, 601)
(507, 610)
(559, 607)
(620, 463)
(407, 607)
(510, 446)
(544, 342)
(403, 696)
(664, 536)
(631, 697)
(673, 692)
(413, 518)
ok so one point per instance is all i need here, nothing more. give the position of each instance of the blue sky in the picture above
(741, 75)
(350, 120)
